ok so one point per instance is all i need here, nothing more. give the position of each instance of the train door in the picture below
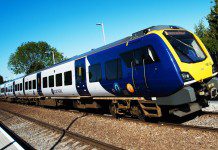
(39, 88)
(144, 69)
(80, 76)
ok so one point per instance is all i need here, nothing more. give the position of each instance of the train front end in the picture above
(197, 71)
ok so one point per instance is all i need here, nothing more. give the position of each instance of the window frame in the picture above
(70, 71)
(45, 84)
(119, 75)
(51, 84)
(58, 84)
(34, 84)
(100, 77)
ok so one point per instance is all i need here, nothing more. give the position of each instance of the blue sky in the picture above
(69, 25)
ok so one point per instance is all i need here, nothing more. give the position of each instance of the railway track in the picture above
(91, 123)
(65, 132)
(154, 122)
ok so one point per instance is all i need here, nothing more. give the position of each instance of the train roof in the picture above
(135, 35)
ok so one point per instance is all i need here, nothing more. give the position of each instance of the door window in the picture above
(138, 55)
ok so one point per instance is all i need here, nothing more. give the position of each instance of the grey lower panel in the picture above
(193, 107)
(183, 96)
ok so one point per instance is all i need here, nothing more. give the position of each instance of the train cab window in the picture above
(34, 84)
(26, 85)
(137, 56)
(68, 78)
(30, 85)
(58, 79)
(45, 82)
(21, 87)
(95, 73)
(51, 81)
(113, 69)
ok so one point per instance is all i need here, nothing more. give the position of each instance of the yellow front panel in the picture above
(199, 70)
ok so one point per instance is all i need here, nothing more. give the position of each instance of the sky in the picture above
(70, 25)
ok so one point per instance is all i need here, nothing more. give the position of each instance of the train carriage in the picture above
(158, 69)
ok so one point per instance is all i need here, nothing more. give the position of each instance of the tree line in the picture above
(209, 35)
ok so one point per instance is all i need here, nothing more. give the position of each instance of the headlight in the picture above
(186, 76)
(214, 69)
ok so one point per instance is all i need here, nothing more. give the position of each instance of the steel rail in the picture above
(159, 123)
(77, 136)
(24, 144)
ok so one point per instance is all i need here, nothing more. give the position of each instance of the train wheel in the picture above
(136, 112)
(114, 110)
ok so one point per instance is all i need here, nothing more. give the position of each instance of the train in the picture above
(161, 70)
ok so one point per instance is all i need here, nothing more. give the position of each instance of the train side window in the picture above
(45, 82)
(30, 85)
(59, 79)
(113, 69)
(15, 87)
(18, 87)
(21, 87)
(68, 78)
(127, 58)
(95, 73)
(51, 81)
(34, 84)
(26, 85)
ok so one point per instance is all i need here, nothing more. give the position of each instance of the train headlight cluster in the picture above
(186, 76)
(214, 68)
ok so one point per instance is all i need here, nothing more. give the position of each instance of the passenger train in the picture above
(156, 71)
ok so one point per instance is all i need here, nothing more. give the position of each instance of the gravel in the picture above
(122, 133)
(206, 120)
(41, 137)
(213, 106)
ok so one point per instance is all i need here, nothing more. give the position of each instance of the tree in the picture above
(1, 79)
(209, 36)
(33, 56)
(200, 30)
(212, 19)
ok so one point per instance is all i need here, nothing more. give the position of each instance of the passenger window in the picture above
(68, 78)
(18, 87)
(51, 81)
(34, 84)
(113, 69)
(21, 87)
(26, 85)
(30, 85)
(95, 73)
(59, 79)
(45, 82)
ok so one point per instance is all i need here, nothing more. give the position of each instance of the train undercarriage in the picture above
(137, 107)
